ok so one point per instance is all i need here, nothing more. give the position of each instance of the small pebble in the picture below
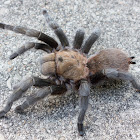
(9, 84)
(2, 137)
(62, 138)
(7, 2)
(4, 11)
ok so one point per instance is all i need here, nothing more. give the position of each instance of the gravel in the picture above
(114, 109)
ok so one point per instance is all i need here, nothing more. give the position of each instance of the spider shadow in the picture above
(113, 98)
(66, 105)
(108, 101)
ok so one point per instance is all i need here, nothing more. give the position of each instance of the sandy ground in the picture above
(114, 109)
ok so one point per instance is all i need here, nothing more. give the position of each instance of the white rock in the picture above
(2, 137)
(4, 11)
(9, 84)
(7, 2)
(62, 138)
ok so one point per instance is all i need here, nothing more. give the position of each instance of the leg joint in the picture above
(26, 83)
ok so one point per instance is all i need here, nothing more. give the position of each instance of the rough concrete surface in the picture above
(114, 109)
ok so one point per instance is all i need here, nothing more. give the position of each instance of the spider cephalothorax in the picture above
(68, 63)
(68, 66)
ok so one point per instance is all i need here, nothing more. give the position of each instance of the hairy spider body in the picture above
(68, 63)
(109, 59)
(67, 67)
(110, 63)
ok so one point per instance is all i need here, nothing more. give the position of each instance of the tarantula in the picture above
(68, 67)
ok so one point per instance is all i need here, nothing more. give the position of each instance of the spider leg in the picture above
(58, 31)
(97, 79)
(78, 40)
(113, 73)
(90, 41)
(21, 88)
(84, 92)
(32, 33)
(29, 45)
(42, 93)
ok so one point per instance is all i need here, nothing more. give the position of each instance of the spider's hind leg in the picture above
(32, 99)
(21, 88)
(113, 73)
(58, 31)
(42, 93)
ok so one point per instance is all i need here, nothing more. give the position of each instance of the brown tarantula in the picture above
(68, 67)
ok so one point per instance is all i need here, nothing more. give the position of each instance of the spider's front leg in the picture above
(78, 39)
(29, 45)
(58, 31)
(21, 88)
(84, 92)
(90, 40)
(32, 33)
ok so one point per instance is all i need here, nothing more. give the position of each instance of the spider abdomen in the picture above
(69, 64)
(109, 58)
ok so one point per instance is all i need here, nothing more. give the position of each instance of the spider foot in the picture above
(81, 129)
(19, 110)
(138, 90)
(2, 25)
(2, 114)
